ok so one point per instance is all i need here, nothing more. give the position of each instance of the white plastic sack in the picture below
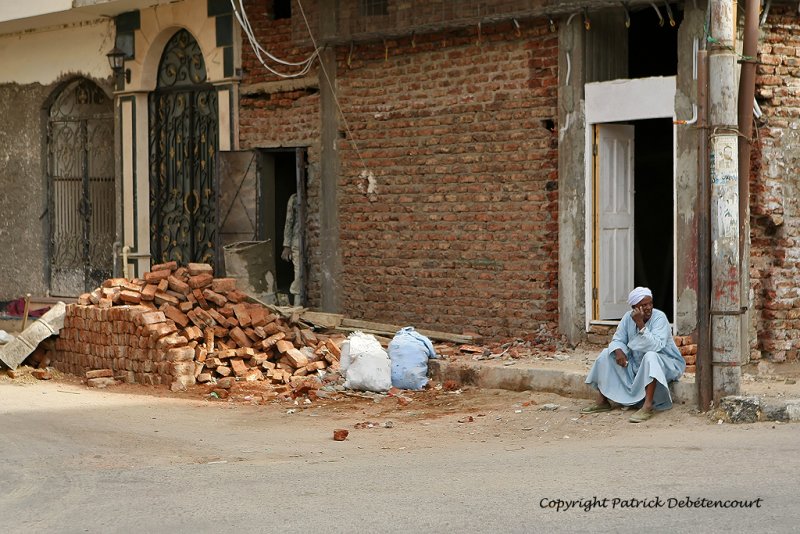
(409, 352)
(365, 364)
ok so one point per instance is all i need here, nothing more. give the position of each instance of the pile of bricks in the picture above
(688, 348)
(179, 326)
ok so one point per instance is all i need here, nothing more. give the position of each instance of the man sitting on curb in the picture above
(640, 362)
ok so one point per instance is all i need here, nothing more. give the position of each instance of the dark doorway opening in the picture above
(279, 177)
(654, 211)
(285, 187)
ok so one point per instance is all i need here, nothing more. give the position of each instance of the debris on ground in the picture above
(18, 349)
(340, 434)
(25, 374)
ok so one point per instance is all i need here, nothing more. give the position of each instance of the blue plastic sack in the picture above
(409, 352)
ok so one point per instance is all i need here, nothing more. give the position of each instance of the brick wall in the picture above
(448, 185)
(449, 207)
(288, 117)
(775, 190)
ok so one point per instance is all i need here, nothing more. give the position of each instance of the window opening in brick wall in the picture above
(281, 9)
(653, 49)
(372, 8)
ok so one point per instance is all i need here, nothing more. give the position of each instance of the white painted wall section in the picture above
(45, 56)
(16, 9)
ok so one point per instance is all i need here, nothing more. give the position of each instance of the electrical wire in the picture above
(244, 22)
(333, 90)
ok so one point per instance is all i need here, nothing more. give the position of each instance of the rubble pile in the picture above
(180, 326)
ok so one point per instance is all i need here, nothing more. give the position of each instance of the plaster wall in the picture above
(31, 8)
(45, 56)
(22, 191)
(571, 198)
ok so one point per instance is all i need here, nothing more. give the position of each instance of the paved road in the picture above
(78, 460)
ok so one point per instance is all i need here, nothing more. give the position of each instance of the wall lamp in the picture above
(116, 59)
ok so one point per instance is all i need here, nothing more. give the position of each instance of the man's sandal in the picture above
(641, 416)
(597, 408)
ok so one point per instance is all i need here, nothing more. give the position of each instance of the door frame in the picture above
(618, 101)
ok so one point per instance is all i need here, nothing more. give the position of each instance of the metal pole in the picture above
(703, 375)
(747, 90)
(726, 309)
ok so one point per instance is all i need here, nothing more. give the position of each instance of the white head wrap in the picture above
(636, 296)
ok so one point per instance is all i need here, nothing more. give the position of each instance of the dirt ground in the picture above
(519, 411)
(460, 414)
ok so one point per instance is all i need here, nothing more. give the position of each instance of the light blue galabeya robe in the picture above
(652, 355)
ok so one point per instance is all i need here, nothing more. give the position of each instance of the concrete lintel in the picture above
(268, 88)
(637, 99)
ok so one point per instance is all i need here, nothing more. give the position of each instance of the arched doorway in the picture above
(81, 188)
(183, 146)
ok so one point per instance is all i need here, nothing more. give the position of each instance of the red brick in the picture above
(99, 373)
(223, 285)
(133, 297)
(200, 281)
(165, 298)
(238, 336)
(149, 292)
(214, 297)
(152, 318)
(199, 268)
(192, 333)
(178, 286)
(176, 315)
(156, 276)
(242, 314)
(180, 354)
(239, 367)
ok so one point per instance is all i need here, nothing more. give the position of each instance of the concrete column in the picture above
(134, 156)
(571, 183)
(726, 305)
(686, 176)
(330, 257)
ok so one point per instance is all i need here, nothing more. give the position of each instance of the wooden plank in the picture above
(391, 330)
(322, 319)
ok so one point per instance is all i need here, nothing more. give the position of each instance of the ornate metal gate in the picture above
(183, 146)
(81, 188)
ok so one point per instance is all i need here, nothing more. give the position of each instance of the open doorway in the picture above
(630, 170)
(634, 221)
(281, 178)
(280, 168)
(255, 187)
(654, 211)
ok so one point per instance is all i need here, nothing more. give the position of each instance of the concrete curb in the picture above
(733, 409)
(523, 378)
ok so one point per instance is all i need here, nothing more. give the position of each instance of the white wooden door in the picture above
(615, 210)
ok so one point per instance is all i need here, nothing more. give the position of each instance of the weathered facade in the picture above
(775, 190)
(458, 167)
(56, 101)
